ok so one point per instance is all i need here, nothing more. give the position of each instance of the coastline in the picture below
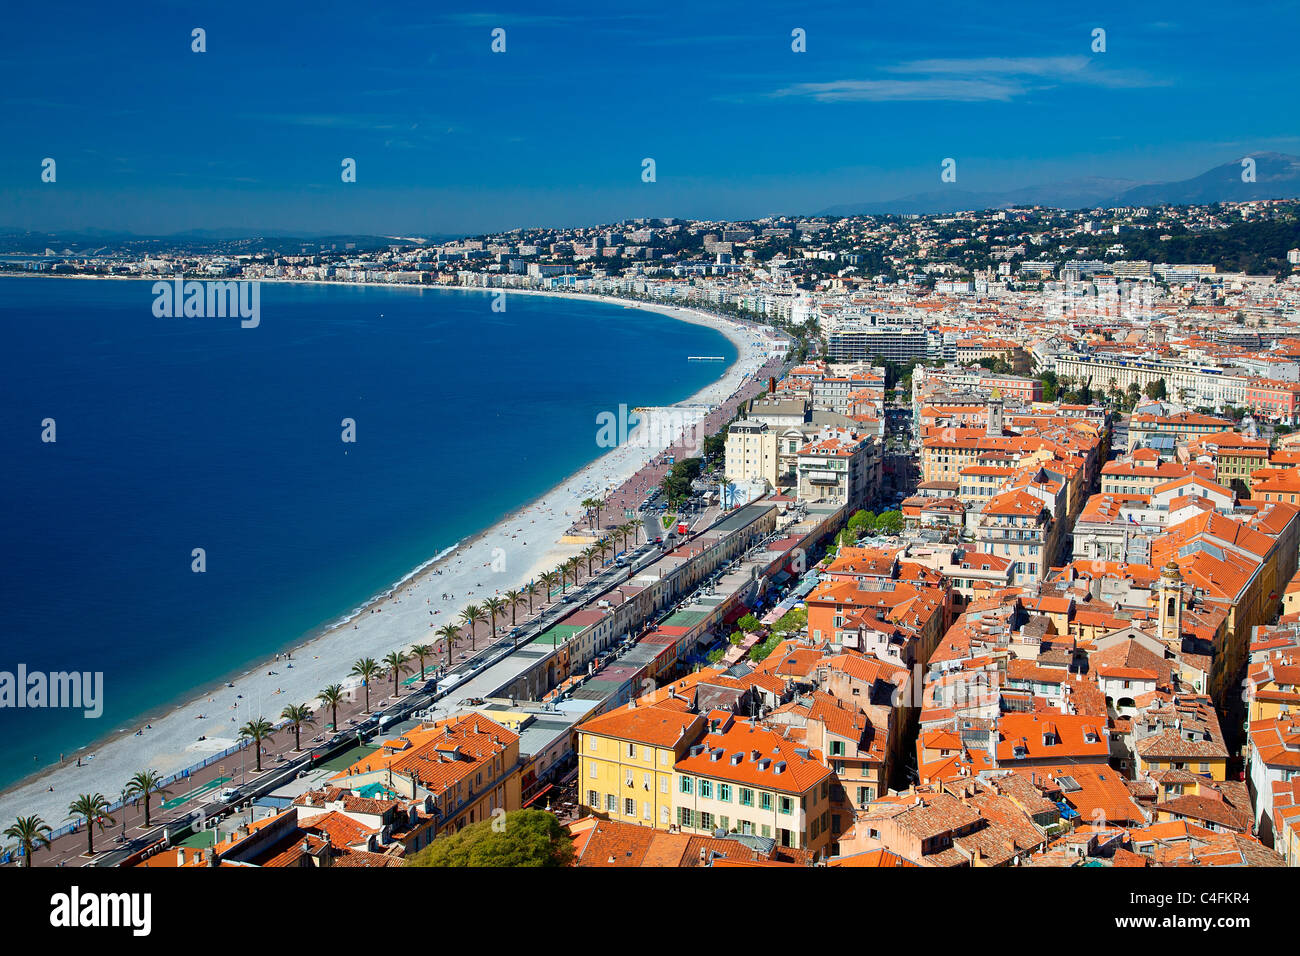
(389, 619)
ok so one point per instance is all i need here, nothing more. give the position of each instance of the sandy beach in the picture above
(505, 556)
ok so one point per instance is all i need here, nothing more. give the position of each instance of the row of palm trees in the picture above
(593, 506)
(32, 833)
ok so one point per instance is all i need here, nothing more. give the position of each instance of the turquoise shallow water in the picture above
(175, 434)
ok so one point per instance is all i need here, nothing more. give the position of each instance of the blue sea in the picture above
(181, 433)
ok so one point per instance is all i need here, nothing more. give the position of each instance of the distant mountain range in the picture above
(99, 241)
(1277, 176)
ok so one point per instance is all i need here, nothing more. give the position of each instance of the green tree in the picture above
(421, 652)
(494, 607)
(571, 566)
(257, 730)
(32, 833)
(144, 785)
(396, 664)
(298, 715)
(367, 668)
(759, 651)
(677, 483)
(749, 624)
(860, 522)
(472, 615)
(791, 621)
(331, 697)
(513, 599)
(448, 633)
(1051, 387)
(532, 838)
(93, 808)
(889, 522)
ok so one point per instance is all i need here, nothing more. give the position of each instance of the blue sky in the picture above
(449, 137)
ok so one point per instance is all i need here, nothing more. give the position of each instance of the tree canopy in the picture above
(677, 483)
(521, 838)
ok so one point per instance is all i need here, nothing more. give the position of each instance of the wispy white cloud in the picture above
(1000, 65)
(972, 79)
(957, 90)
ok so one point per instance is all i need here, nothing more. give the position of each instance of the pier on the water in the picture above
(705, 358)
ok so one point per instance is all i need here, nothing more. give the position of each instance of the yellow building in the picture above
(626, 759)
(751, 452)
(1182, 734)
(1235, 457)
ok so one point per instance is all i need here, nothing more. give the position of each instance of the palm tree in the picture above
(257, 730)
(549, 579)
(603, 547)
(448, 633)
(331, 697)
(396, 663)
(590, 505)
(420, 652)
(530, 589)
(31, 834)
(589, 553)
(93, 808)
(145, 784)
(297, 715)
(367, 668)
(513, 598)
(598, 503)
(472, 615)
(573, 564)
(494, 606)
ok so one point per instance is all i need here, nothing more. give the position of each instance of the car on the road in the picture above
(229, 793)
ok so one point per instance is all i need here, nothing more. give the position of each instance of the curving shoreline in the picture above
(511, 551)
